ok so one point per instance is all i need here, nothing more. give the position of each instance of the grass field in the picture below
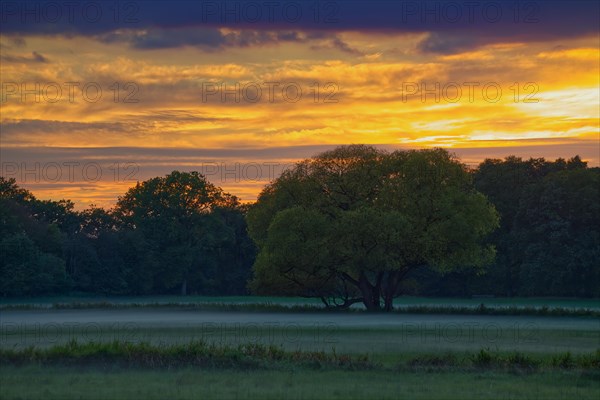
(381, 335)
(391, 341)
(399, 302)
(63, 383)
(68, 383)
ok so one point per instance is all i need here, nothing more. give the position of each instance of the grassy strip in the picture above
(511, 310)
(72, 383)
(257, 356)
(270, 307)
(194, 353)
(487, 359)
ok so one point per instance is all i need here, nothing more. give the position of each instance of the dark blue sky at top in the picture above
(453, 25)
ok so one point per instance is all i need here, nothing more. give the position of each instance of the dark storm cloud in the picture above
(437, 43)
(152, 155)
(13, 127)
(586, 148)
(13, 130)
(162, 39)
(34, 58)
(212, 39)
(241, 171)
(454, 25)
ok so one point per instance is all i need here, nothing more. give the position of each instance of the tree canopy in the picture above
(169, 234)
(349, 224)
(548, 241)
(354, 224)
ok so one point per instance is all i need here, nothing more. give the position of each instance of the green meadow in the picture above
(64, 383)
(400, 355)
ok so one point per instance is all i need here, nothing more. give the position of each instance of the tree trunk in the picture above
(370, 293)
(390, 290)
(184, 287)
(388, 304)
(377, 290)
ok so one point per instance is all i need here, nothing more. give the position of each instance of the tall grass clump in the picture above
(195, 354)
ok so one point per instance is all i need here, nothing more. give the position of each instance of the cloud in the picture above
(442, 44)
(162, 39)
(45, 127)
(99, 175)
(34, 58)
(214, 39)
(13, 42)
(338, 44)
(134, 127)
(454, 25)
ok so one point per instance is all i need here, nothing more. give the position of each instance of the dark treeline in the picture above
(177, 234)
(180, 234)
(548, 242)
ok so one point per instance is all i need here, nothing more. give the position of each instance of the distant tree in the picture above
(177, 218)
(26, 271)
(9, 190)
(349, 224)
(233, 259)
(506, 183)
(30, 247)
(558, 231)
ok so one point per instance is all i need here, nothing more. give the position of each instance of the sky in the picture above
(98, 95)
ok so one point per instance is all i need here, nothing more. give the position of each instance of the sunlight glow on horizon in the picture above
(360, 93)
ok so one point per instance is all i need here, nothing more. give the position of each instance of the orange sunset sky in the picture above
(153, 99)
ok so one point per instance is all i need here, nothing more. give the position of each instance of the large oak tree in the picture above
(347, 225)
